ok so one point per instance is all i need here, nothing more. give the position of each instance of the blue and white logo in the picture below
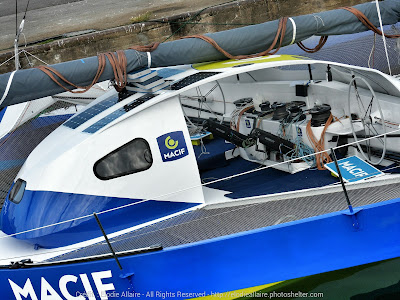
(172, 146)
(353, 169)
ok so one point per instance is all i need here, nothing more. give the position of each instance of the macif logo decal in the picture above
(70, 287)
(172, 146)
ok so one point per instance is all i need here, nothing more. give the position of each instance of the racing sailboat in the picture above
(207, 178)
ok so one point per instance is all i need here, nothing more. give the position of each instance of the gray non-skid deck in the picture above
(204, 223)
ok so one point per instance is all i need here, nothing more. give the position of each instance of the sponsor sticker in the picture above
(71, 287)
(172, 146)
(353, 169)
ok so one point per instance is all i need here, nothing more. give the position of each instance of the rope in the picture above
(321, 43)
(146, 48)
(300, 148)
(118, 63)
(74, 219)
(26, 9)
(368, 23)
(280, 34)
(319, 145)
(383, 36)
(372, 53)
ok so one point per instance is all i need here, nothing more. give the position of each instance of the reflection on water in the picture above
(375, 281)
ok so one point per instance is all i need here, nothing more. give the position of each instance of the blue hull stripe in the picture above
(286, 251)
(39, 208)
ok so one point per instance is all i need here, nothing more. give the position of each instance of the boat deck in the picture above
(207, 223)
(213, 166)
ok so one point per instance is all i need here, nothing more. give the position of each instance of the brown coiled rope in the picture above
(118, 63)
(319, 144)
(146, 48)
(363, 18)
(321, 43)
(280, 34)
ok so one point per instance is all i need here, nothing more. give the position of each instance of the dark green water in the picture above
(376, 281)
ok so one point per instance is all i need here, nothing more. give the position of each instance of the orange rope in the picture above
(321, 43)
(146, 48)
(319, 145)
(240, 115)
(280, 34)
(118, 63)
(363, 19)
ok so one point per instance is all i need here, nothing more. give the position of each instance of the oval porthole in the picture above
(17, 191)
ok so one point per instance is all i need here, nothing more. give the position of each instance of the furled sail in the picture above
(25, 85)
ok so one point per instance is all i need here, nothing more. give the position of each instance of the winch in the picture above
(320, 115)
(280, 111)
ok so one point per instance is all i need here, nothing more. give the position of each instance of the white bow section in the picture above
(64, 161)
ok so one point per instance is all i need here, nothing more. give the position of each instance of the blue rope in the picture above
(301, 149)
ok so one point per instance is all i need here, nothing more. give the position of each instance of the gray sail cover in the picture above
(32, 84)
